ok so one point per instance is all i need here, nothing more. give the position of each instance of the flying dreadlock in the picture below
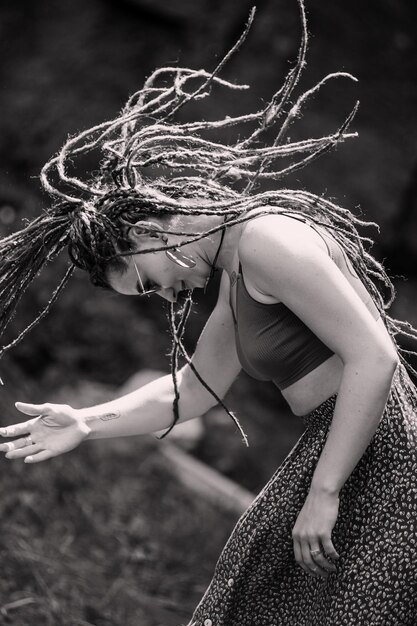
(91, 217)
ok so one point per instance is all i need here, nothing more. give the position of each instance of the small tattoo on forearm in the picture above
(109, 416)
(233, 278)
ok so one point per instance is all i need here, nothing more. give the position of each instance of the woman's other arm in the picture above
(288, 264)
(284, 261)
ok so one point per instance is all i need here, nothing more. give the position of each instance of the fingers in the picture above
(298, 555)
(15, 445)
(24, 452)
(313, 567)
(40, 456)
(23, 428)
(319, 558)
(329, 548)
(330, 551)
(32, 409)
(15, 430)
(313, 558)
(20, 448)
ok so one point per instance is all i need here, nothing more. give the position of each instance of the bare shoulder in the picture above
(272, 234)
(272, 249)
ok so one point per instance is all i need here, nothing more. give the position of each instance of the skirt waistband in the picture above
(321, 416)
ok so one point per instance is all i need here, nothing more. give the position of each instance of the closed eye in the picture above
(148, 288)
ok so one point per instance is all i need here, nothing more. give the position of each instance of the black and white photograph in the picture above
(208, 320)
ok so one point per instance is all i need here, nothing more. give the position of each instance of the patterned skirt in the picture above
(257, 581)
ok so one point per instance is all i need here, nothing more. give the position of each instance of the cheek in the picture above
(119, 284)
(162, 269)
(121, 280)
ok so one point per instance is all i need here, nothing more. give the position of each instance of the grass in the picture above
(104, 536)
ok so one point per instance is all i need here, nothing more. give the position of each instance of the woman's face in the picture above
(155, 270)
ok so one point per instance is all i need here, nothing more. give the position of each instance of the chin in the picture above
(192, 284)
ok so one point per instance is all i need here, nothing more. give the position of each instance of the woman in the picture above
(331, 539)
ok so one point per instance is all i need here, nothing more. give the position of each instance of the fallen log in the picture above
(206, 481)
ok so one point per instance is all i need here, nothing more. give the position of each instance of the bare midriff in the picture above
(315, 387)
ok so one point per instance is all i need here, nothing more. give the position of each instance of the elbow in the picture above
(390, 358)
(385, 360)
(379, 360)
(394, 360)
(385, 366)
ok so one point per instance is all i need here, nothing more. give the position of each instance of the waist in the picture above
(320, 417)
(315, 387)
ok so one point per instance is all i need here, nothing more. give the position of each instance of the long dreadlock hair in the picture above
(91, 217)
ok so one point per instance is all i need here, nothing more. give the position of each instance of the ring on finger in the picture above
(28, 441)
(314, 552)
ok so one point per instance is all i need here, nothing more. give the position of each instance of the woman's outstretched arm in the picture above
(149, 409)
(59, 428)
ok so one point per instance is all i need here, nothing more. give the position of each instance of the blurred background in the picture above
(106, 535)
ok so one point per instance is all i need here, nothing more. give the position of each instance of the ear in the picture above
(144, 229)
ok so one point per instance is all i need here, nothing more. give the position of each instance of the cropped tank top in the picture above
(272, 342)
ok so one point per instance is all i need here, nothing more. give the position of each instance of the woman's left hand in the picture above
(312, 533)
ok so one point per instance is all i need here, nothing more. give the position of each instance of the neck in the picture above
(220, 248)
(227, 255)
(215, 248)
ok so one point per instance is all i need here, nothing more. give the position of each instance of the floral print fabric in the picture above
(257, 581)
